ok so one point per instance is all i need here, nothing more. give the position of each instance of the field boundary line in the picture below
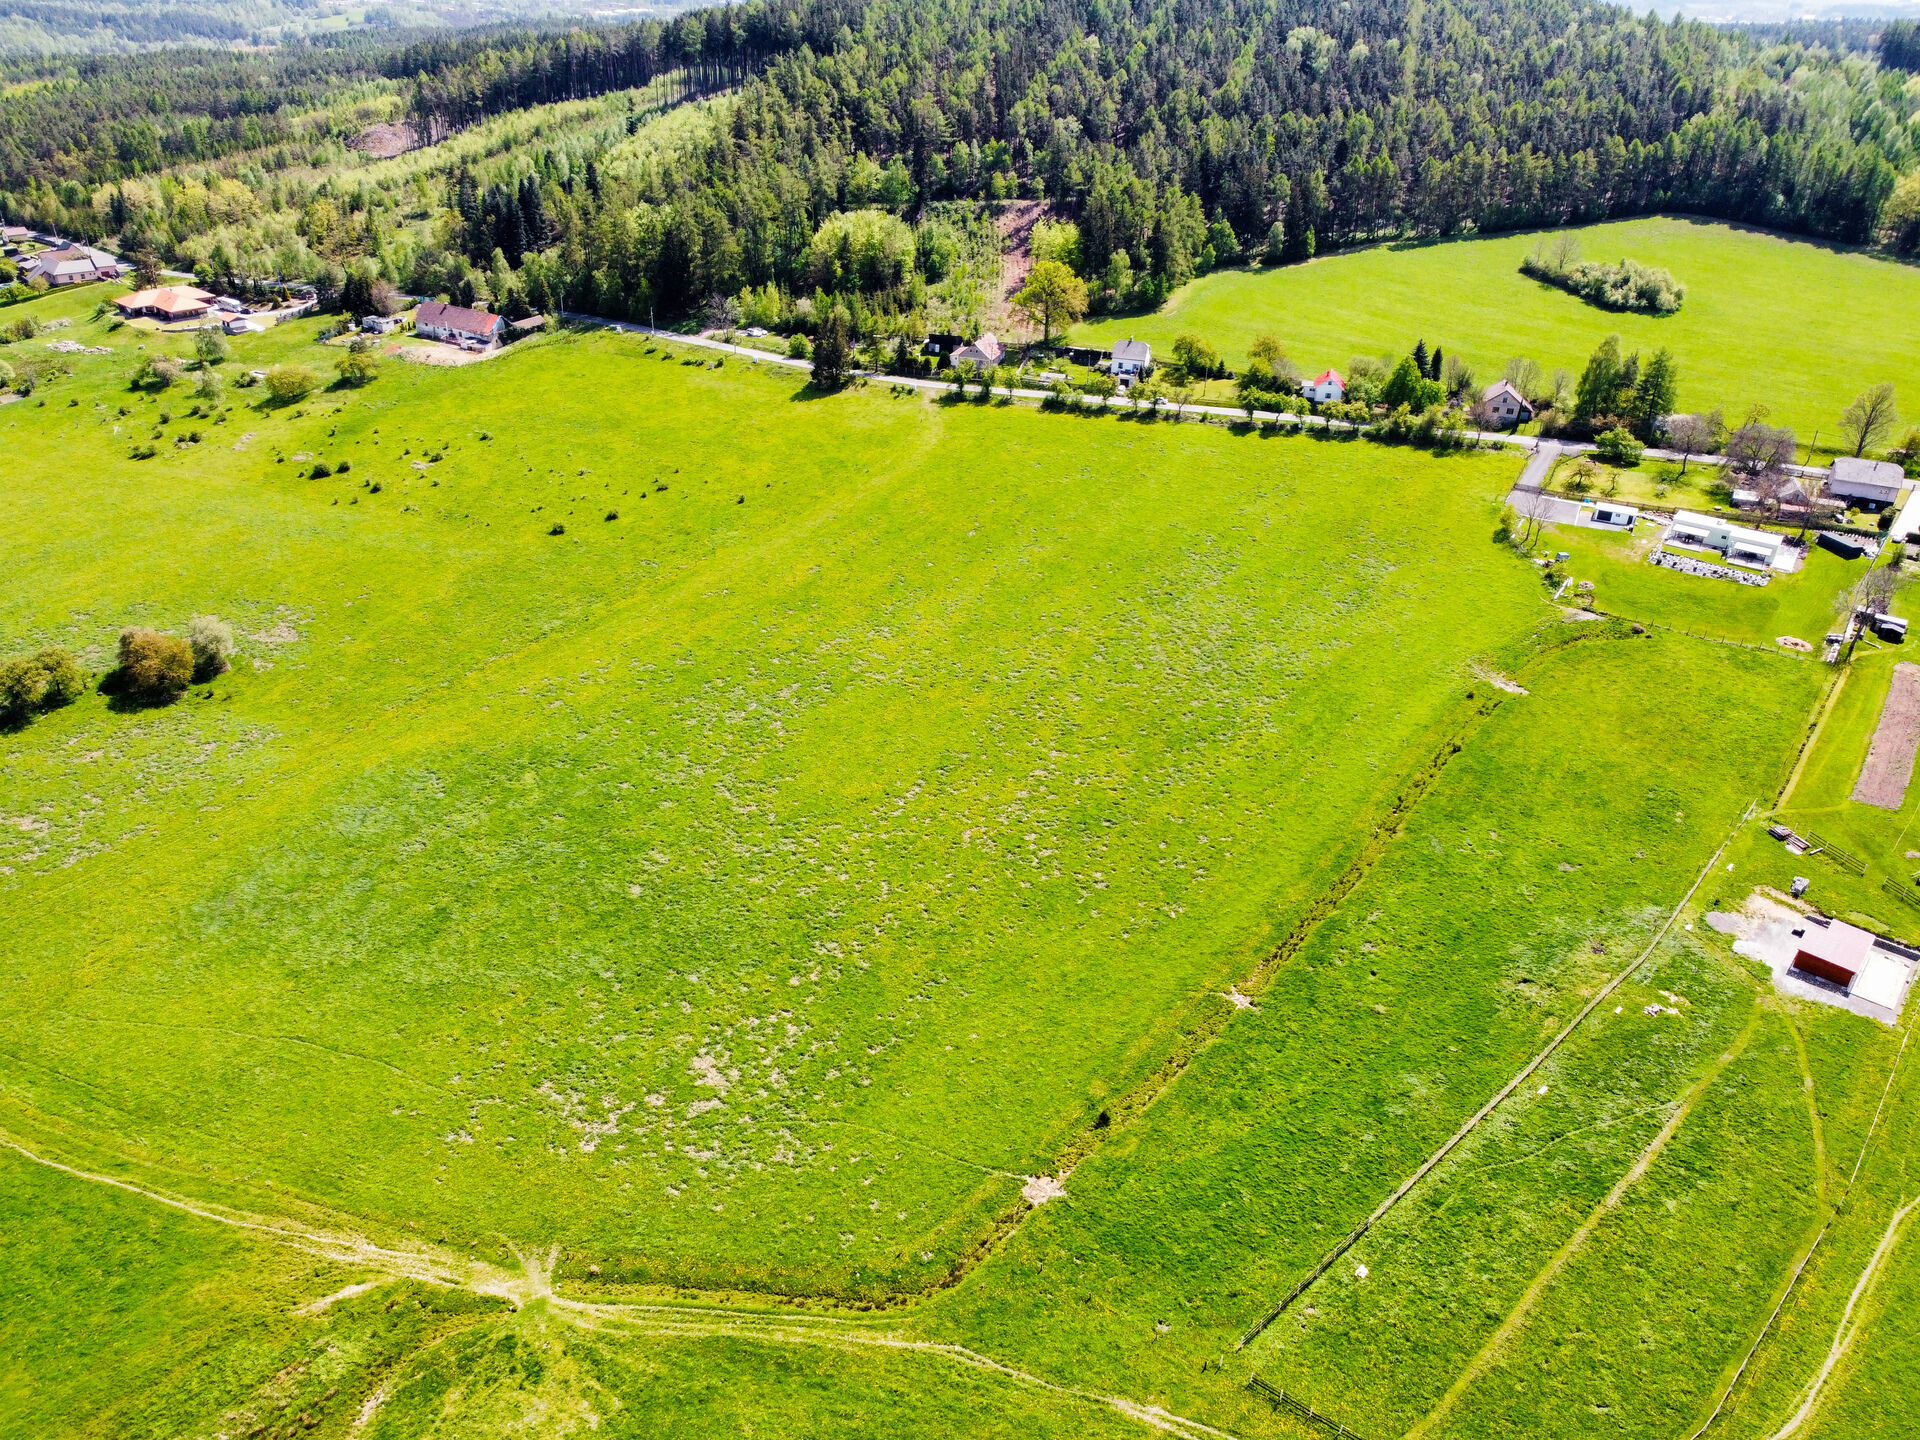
(1473, 1122)
(665, 1320)
(344, 1249)
(1154, 1416)
(1793, 1280)
(1517, 1317)
(1843, 1336)
(1811, 738)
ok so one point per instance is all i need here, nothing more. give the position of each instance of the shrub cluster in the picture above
(1643, 289)
(31, 684)
(153, 666)
(211, 641)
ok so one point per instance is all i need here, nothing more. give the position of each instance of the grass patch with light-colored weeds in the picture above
(750, 890)
(730, 838)
(1541, 863)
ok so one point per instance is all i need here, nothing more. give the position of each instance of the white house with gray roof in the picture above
(1131, 359)
(1874, 482)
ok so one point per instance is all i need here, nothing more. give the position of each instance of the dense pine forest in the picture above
(1177, 134)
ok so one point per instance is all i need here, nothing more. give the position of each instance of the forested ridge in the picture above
(1177, 133)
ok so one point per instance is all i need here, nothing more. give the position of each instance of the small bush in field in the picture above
(30, 684)
(153, 665)
(211, 640)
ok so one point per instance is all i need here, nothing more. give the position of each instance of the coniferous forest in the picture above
(1177, 134)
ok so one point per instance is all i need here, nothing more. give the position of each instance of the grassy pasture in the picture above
(1786, 323)
(1545, 856)
(750, 890)
(1821, 801)
(127, 1319)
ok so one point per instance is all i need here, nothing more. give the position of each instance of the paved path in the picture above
(1542, 452)
(1534, 477)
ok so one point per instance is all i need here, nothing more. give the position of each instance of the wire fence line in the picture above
(1473, 1122)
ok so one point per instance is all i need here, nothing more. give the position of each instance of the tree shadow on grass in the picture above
(122, 699)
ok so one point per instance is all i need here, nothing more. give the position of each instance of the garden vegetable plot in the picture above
(1883, 779)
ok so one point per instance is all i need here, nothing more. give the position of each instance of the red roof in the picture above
(169, 300)
(1325, 375)
(457, 318)
(1837, 945)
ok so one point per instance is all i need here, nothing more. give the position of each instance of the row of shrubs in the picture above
(153, 667)
(1630, 285)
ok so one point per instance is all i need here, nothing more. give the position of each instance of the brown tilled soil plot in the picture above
(1883, 779)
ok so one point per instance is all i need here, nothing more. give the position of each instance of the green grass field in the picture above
(661, 864)
(1785, 323)
(723, 906)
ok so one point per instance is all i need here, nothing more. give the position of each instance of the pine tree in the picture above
(1433, 365)
(533, 214)
(1420, 357)
(830, 353)
(1655, 393)
(1599, 386)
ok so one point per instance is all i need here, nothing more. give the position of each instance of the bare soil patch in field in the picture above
(1883, 779)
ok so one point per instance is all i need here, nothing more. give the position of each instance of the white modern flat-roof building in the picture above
(1758, 549)
(1907, 523)
(1613, 515)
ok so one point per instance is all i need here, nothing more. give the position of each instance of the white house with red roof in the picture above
(1326, 388)
(459, 324)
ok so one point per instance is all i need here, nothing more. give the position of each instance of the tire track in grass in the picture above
(1517, 1317)
(534, 1283)
(1793, 1280)
(1844, 1335)
(1473, 1121)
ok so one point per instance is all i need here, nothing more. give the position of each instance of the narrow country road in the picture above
(1533, 444)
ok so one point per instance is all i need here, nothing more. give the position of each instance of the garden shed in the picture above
(1834, 951)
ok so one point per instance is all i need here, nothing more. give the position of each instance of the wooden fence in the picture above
(1901, 893)
(1280, 1400)
(1834, 853)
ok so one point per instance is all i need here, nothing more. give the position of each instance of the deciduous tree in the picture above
(1052, 297)
(1870, 418)
(153, 665)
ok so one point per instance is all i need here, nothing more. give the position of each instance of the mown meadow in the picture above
(1531, 873)
(695, 837)
(1790, 324)
(751, 889)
